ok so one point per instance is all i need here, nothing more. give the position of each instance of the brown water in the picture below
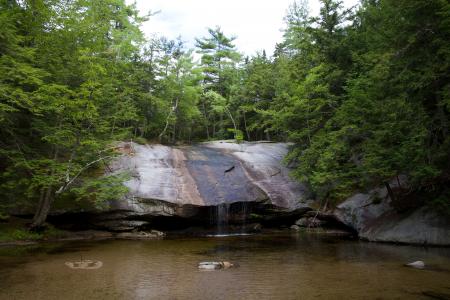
(272, 266)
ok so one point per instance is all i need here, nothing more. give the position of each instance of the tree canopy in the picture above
(363, 94)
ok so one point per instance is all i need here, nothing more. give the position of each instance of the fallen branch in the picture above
(317, 213)
(70, 182)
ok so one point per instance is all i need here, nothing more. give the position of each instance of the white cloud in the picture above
(257, 24)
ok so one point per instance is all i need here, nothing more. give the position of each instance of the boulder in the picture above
(417, 264)
(86, 264)
(379, 221)
(140, 235)
(120, 225)
(295, 227)
(311, 222)
(214, 265)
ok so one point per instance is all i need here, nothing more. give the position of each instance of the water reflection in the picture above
(277, 266)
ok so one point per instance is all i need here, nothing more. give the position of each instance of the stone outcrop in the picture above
(168, 181)
(228, 184)
(373, 216)
(218, 183)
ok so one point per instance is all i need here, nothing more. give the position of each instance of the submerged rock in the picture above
(85, 264)
(417, 264)
(154, 234)
(214, 265)
(295, 227)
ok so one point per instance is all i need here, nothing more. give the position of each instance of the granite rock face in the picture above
(167, 181)
(377, 220)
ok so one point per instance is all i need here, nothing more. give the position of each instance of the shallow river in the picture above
(271, 266)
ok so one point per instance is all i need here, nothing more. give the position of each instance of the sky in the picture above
(256, 24)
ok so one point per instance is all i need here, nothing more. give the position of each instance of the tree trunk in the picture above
(246, 129)
(214, 126)
(443, 120)
(221, 127)
(45, 202)
(43, 208)
(232, 120)
(390, 191)
(206, 119)
(113, 126)
(172, 111)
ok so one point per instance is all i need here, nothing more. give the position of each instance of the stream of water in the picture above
(271, 266)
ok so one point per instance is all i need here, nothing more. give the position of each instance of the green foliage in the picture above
(21, 234)
(220, 74)
(102, 189)
(61, 103)
(237, 134)
(140, 140)
(362, 93)
(15, 230)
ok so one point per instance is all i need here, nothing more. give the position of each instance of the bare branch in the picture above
(70, 182)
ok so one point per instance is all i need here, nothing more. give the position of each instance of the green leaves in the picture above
(364, 95)
(62, 95)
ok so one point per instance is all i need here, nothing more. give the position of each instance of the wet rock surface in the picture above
(208, 174)
(211, 184)
(216, 182)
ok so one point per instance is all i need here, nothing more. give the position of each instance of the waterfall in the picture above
(244, 212)
(230, 219)
(222, 216)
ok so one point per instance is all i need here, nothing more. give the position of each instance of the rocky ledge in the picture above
(216, 183)
(208, 174)
(228, 184)
(374, 216)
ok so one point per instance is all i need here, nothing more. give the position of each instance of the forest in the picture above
(362, 93)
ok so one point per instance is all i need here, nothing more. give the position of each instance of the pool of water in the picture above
(271, 266)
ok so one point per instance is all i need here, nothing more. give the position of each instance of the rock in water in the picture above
(214, 265)
(417, 264)
(226, 264)
(295, 227)
(309, 222)
(85, 264)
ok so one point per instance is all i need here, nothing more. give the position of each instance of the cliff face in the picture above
(209, 174)
(223, 183)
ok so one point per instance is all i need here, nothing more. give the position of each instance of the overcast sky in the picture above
(257, 24)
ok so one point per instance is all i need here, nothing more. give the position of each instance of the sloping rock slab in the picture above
(262, 162)
(378, 221)
(166, 179)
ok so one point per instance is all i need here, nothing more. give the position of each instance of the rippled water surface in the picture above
(272, 266)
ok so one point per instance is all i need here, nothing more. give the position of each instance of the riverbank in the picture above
(14, 232)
